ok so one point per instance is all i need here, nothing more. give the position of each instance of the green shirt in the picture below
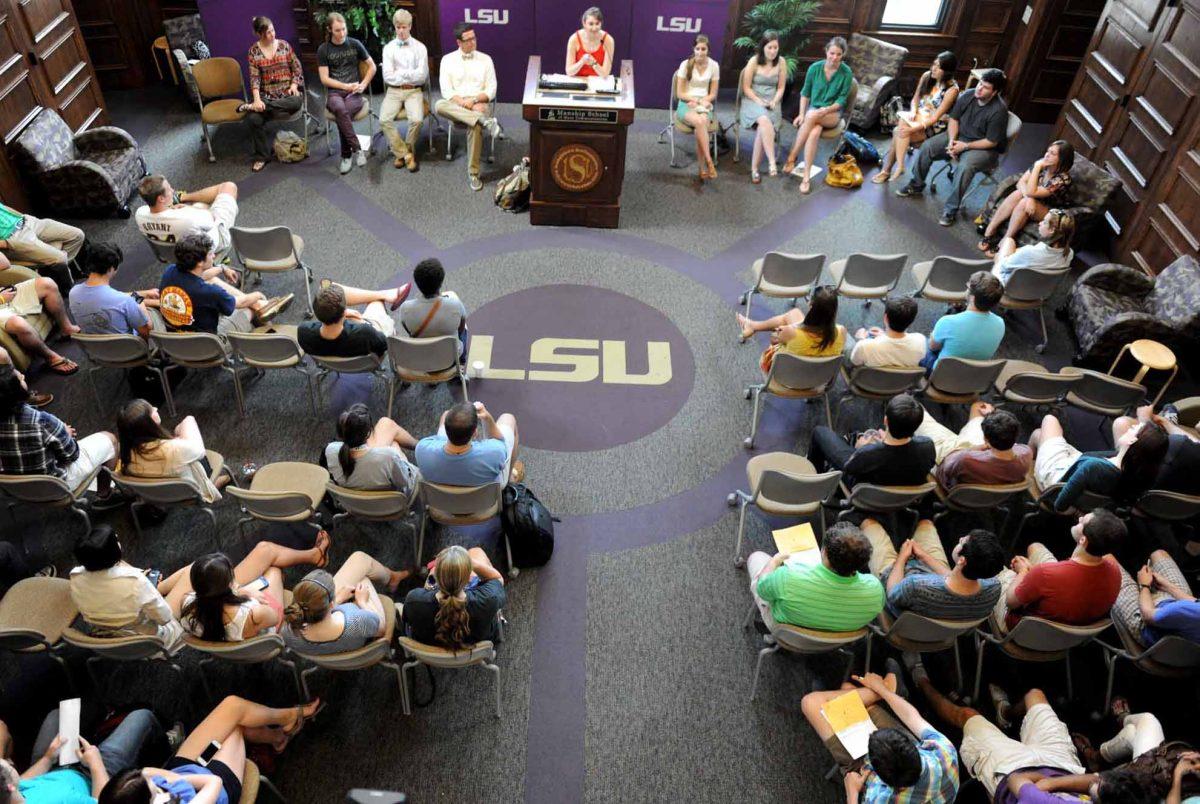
(9, 219)
(817, 597)
(822, 93)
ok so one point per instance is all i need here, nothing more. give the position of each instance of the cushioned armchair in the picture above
(875, 65)
(39, 321)
(1092, 188)
(187, 40)
(91, 174)
(1112, 305)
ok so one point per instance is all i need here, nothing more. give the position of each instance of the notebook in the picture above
(801, 542)
(849, 720)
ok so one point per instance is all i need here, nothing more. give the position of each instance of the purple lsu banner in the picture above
(504, 30)
(662, 36)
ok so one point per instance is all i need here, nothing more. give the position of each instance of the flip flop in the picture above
(323, 561)
(805, 186)
(755, 177)
(402, 292)
(71, 367)
(882, 177)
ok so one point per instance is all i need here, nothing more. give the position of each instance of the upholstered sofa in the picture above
(40, 321)
(91, 174)
(1092, 188)
(1112, 305)
(875, 65)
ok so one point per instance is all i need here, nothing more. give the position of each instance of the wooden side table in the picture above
(1151, 355)
(161, 44)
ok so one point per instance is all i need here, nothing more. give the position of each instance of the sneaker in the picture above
(175, 736)
(345, 165)
(476, 184)
(910, 190)
(48, 571)
(1168, 412)
(360, 158)
(948, 218)
(107, 502)
(1000, 704)
(914, 665)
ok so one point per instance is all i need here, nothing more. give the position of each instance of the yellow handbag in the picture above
(843, 171)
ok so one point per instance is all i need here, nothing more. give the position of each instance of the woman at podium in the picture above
(590, 49)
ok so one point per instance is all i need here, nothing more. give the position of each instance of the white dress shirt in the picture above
(467, 75)
(405, 63)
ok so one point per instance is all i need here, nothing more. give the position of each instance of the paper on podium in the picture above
(68, 729)
(607, 84)
(800, 542)
(849, 720)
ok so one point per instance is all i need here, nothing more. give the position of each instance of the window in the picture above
(913, 13)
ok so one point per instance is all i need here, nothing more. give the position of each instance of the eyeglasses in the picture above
(465, 40)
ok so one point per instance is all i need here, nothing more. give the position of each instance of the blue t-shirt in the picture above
(975, 336)
(190, 304)
(1174, 617)
(103, 310)
(481, 464)
(183, 789)
(61, 786)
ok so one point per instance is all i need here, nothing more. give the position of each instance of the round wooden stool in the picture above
(1150, 355)
(161, 44)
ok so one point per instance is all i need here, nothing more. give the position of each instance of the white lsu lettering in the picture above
(609, 364)
(487, 16)
(680, 25)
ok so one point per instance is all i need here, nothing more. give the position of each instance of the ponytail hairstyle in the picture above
(453, 571)
(821, 317)
(136, 429)
(330, 19)
(1141, 463)
(593, 11)
(312, 600)
(1062, 226)
(129, 787)
(354, 427)
(212, 579)
(701, 39)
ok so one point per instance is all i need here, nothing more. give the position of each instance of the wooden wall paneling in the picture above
(1046, 54)
(118, 35)
(18, 101)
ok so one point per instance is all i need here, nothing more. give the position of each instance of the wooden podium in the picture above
(577, 151)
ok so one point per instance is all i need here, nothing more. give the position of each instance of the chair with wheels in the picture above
(374, 506)
(194, 350)
(169, 492)
(278, 349)
(782, 484)
(674, 124)
(1034, 639)
(461, 505)
(959, 381)
(428, 361)
(919, 634)
(1031, 289)
(867, 276)
(117, 352)
(34, 615)
(286, 491)
(480, 654)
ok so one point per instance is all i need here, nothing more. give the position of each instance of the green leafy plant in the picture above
(365, 19)
(788, 18)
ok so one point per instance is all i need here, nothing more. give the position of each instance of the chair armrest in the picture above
(1189, 411)
(1117, 279)
(880, 84)
(104, 138)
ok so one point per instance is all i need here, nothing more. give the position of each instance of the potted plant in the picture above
(369, 21)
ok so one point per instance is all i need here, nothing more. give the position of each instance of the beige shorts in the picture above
(94, 451)
(1054, 458)
(224, 210)
(24, 303)
(990, 754)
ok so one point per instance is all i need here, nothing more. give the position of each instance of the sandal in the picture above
(987, 244)
(755, 177)
(517, 474)
(258, 165)
(805, 186)
(301, 719)
(402, 292)
(882, 177)
(1089, 756)
(789, 166)
(64, 366)
(772, 171)
(323, 560)
(744, 332)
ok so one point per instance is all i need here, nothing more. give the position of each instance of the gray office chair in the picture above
(794, 377)
(480, 654)
(1171, 656)
(461, 505)
(1104, 394)
(782, 484)
(1030, 289)
(1022, 383)
(919, 634)
(779, 275)
(116, 352)
(193, 350)
(168, 492)
(1169, 506)
(944, 279)
(271, 350)
(1035, 639)
(271, 250)
(371, 364)
(867, 276)
(959, 381)
(427, 361)
(374, 506)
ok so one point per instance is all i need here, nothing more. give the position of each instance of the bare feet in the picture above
(70, 329)
(805, 187)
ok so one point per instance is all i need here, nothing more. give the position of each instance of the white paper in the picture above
(798, 171)
(805, 558)
(68, 729)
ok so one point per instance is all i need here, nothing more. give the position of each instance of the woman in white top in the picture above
(696, 88)
(1052, 252)
(763, 80)
(147, 449)
(590, 49)
(220, 602)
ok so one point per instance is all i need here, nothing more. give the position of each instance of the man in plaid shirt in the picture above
(33, 442)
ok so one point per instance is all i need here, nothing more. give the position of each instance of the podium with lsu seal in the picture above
(577, 151)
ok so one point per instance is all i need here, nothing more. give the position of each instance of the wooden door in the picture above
(60, 61)
(1044, 61)
(18, 98)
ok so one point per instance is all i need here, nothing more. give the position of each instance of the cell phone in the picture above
(360, 796)
(208, 753)
(259, 584)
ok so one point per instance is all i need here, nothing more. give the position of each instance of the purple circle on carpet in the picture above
(582, 368)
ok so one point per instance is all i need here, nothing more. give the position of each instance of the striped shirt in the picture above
(925, 592)
(817, 597)
(273, 76)
(938, 780)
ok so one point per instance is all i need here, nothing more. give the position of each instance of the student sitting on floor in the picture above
(893, 346)
(893, 456)
(455, 457)
(975, 333)
(463, 606)
(100, 308)
(342, 612)
(919, 578)
(834, 595)
(984, 451)
(341, 331)
(369, 456)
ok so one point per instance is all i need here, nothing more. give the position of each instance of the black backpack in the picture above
(528, 526)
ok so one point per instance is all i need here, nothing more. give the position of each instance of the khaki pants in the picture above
(412, 101)
(946, 440)
(474, 123)
(41, 241)
(1038, 554)
(883, 552)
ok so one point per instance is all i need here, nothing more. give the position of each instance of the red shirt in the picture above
(1068, 592)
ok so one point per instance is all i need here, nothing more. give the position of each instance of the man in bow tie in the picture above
(468, 84)
(405, 71)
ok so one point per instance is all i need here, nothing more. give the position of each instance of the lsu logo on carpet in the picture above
(577, 360)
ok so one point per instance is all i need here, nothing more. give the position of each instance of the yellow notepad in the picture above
(849, 720)
(795, 539)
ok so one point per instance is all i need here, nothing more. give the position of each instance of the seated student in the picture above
(340, 331)
(169, 215)
(147, 449)
(369, 456)
(46, 782)
(115, 598)
(100, 308)
(896, 768)
(1181, 466)
(467, 79)
(231, 725)
(1012, 770)
(45, 244)
(29, 297)
(1052, 252)
(193, 299)
(464, 604)
(1160, 604)
(985, 451)
(337, 613)
(435, 313)
(37, 399)
(937, 92)
(975, 333)
(220, 602)
(696, 84)
(455, 457)
(1044, 186)
(33, 442)
(1078, 591)
(835, 595)
(813, 334)
(893, 346)
(346, 69)
(893, 456)
(919, 578)
(1141, 450)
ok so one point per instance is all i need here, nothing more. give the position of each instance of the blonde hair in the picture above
(401, 17)
(452, 623)
(1062, 228)
(312, 600)
(701, 39)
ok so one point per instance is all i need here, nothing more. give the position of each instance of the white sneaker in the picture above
(345, 165)
(476, 184)
(492, 126)
(360, 158)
